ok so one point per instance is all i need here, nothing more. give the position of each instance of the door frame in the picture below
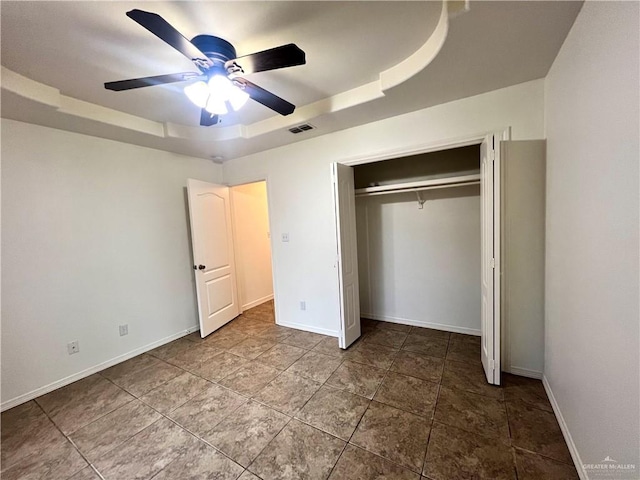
(500, 134)
(262, 178)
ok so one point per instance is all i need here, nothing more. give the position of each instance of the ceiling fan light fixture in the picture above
(216, 105)
(237, 97)
(214, 95)
(198, 93)
(219, 85)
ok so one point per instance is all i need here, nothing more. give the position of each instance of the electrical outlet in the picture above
(73, 347)
(285, 237)
(124, 330)
(303, 305)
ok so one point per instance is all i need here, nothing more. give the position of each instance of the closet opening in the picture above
(418, 244)
(418, 229)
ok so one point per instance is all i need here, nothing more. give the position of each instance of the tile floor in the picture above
(258, 401)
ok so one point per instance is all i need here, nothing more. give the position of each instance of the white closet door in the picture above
(214, 266)
(347, 264)
(490, 249)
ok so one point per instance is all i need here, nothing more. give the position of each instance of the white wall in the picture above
(252, 243)
(421, 266)
(300, 192)
(592, 245)
(94, 235)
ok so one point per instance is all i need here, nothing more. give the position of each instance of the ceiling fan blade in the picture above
(164, 31)
(150, 81)
(267, 98)
(279, 57)
(207, 119)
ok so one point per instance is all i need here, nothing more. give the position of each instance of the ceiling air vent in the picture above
(301, 128)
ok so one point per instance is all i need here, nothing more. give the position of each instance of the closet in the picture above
(450, 239)
(418, 232)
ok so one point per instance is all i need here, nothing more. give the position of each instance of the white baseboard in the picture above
(575, 456)
(419, 323)
(308, 328)
(14, 402)
(255, 303)
(524, 372)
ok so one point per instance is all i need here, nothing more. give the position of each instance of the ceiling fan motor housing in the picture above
(217, 49)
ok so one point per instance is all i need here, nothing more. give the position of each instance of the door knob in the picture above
(201, 267)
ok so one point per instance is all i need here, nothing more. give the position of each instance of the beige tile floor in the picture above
(258, 401)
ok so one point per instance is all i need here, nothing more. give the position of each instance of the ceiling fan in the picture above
(219, 84)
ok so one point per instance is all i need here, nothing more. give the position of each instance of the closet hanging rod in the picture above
(417, 189)
(447, 182)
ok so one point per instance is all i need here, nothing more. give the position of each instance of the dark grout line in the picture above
(433, 420)
(386, 372)
(506, 410)
(90, 464)
(515, 465)
(517, 447)
(344, 447)
(268, 443)
(193, 434)
(68, 439)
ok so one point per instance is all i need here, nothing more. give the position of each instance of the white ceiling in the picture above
(75, 47)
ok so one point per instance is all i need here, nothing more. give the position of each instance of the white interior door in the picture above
(214, 267)
(490, 249)
(347, 259)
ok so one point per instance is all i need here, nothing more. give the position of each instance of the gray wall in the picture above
(591, 343)
(94, 235)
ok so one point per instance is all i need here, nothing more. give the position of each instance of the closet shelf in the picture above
(447, 182)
